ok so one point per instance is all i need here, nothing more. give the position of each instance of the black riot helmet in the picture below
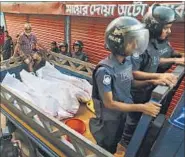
(63, 44)
(157, 17)
(124, 30)
(78, 43)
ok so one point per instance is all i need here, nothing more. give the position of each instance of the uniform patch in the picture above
(163, 51)
(106, 80)
(136, 55)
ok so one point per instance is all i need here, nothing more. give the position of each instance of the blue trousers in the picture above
(107, 133)
(133, 118)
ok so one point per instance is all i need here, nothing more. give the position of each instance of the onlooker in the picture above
(16, 39)
(25, 44)
(1, 42)
(54, 47)
(1, 36)
(34, 48)
(8, 46)
(1, 57)
(63, 48)
(35, 57)
(78, 51)
(16, 53)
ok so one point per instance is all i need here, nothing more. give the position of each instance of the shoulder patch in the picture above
(136, 55)
(107, 80)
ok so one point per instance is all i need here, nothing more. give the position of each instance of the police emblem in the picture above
(136, 55)
(106, 80)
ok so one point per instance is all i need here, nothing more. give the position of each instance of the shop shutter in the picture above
(90, 30)
(177, 36)
(48, 28)
(15, 23)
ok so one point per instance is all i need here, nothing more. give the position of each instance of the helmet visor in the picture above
(138, 39)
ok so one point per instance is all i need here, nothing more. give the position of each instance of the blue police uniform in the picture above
(81, 56)
(111, 76)
(147, 62)
(7, 48)
(166, 51)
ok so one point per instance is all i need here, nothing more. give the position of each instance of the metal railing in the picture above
(10, 63)
(71, 64)
(49, 127)
(45, 129)
(158, 94)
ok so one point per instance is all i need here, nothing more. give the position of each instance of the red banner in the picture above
(134, 9)
(92, 9)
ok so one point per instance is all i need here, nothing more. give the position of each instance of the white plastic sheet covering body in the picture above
(56, 93)
(82, 88)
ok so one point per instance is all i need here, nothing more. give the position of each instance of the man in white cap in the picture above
(25, 43)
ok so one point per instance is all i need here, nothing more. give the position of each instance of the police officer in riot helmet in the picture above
(63, 49)
(159, 21)
(78, 51)
(112, 79)
(54, 47)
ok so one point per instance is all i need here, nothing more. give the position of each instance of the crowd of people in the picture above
(123, 82)
(29, 48)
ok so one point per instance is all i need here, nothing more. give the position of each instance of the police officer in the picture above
(112, 82)
(7, 49)
(54, 47)
(63, 48)
(149, 62)
(78, 51)
(159, 24)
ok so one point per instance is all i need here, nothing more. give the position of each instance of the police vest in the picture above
(150, 59)
(121, 85)
(165, 51)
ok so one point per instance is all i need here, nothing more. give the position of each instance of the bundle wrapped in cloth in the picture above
(55, 93)
(30, 95)
(81, 87)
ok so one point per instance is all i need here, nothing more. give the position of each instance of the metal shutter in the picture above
(177, 36)
(90, 30)
(15, 23)
(48, 28)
